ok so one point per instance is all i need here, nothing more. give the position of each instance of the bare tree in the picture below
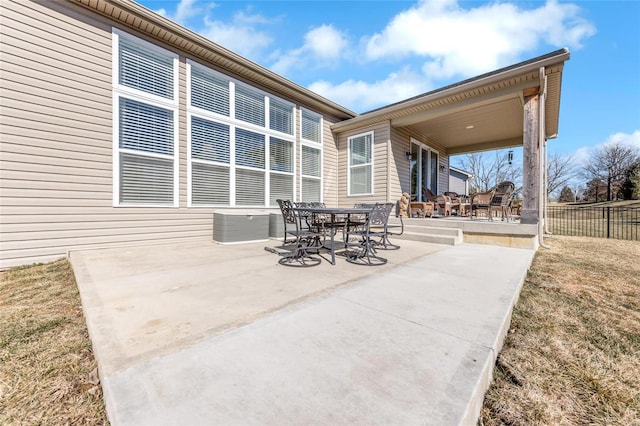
(609, 164)
(491, 168)
(560, 170)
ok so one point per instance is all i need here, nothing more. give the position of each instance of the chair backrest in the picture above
(317, 205)
(503, 193)
(364, 205)
(380, 213)
(428, 195)
(287, 214)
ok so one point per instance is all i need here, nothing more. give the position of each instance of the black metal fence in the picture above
(595, 221)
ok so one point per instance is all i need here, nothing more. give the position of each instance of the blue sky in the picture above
(367, 54)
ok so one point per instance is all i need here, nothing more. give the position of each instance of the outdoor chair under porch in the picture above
(499, 198)
(443, 203)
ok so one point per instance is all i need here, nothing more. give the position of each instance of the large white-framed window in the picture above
(310, 156)
(145, 117)
(360, 164)
(241, 142)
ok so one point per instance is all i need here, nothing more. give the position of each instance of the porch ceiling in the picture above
(490, 126)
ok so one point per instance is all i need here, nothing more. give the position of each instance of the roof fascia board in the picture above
(455, 169)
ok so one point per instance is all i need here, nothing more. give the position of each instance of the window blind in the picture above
(249, 187)
(145, 69)
(311, 190)
(360, 180)
(249, 105)
(145, 127)
(210, 184)
(250, 149)
(146, 180)
(210, 140)
(209, 92)
(311, 164)
(280, 155)
(280, 187)
(361, 164)
(310, 127)
(360, 150)
(280, 116)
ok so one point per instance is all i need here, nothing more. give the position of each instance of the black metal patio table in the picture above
(332, 224)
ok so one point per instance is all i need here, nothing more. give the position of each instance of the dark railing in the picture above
(622, 223)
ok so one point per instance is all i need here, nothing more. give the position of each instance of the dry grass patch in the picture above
(46, 359)
(572, 355)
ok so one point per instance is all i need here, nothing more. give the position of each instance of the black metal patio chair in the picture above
(305, 239)
(387, 229)
(374, 227)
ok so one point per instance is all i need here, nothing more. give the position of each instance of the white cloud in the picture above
(361, 96)
(185, 10)
(457, 41)
(323, 46)
(631, 140)
(238, 35)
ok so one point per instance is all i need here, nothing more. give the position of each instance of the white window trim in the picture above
(119, 91)
(235, 124)
(372, 164)
(315, 145)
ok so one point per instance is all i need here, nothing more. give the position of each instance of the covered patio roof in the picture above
(481, 113)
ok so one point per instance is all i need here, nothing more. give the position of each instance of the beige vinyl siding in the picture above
(330, 169)
(381, 137)
(399, 173)
(56, 164)
(401, 141)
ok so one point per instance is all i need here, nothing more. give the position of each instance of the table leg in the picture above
(333, 234)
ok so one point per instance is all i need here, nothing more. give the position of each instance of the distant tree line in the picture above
(612, 172)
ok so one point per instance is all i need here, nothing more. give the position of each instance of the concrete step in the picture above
(451, 240)
(437, 230)
(417, 231)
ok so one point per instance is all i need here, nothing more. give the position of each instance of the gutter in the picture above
(542, 153)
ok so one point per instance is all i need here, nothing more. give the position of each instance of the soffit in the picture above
(500, 122)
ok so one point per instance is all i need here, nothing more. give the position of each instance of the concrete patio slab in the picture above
(198, 333)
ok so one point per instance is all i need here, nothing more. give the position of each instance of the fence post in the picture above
(608, 221)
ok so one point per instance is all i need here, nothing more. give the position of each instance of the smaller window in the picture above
(280, 116)
(250, 149)
(311, 126)
(142, 68)
(209, 140)
(249, 105)
(361, 164)
(281, 155)
(209, 91)
(311, 182)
